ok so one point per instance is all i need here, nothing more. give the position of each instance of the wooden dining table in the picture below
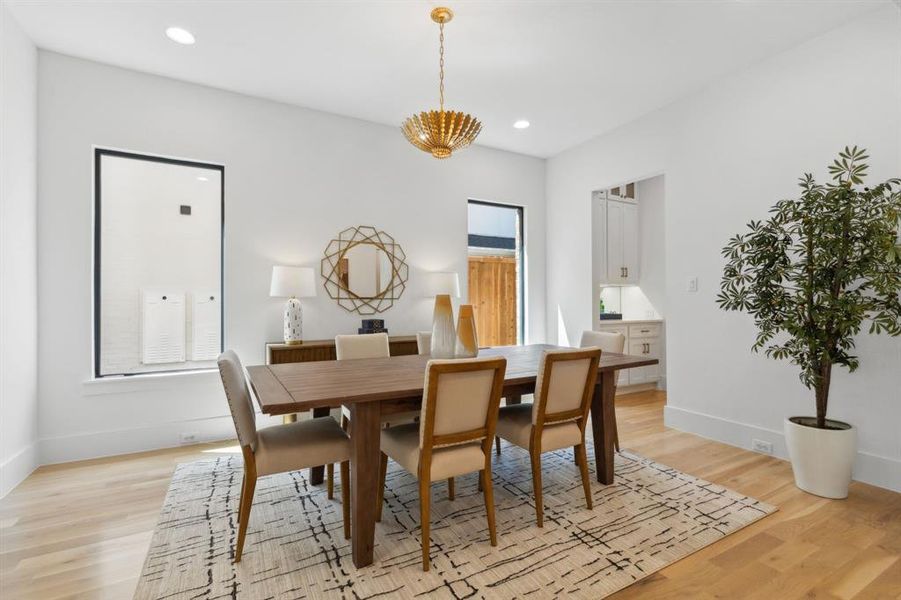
(373, 387)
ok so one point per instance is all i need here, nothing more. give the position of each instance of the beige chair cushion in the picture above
(424, 342)
(401, 443)
(462, 399)
(567, 383)
(299, 445)
(607, 341)
(514, 424)
(367, 345)
(238, 395)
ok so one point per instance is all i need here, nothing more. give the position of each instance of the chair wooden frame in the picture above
(240, 406)
(249, 484)
(580, 416)
(429, 441)
(615, 381)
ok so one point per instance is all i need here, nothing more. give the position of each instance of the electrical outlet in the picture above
(189, 437)
(762, 446)
(692, 284)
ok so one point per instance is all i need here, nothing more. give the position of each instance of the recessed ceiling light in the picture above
(180, 36)
(521, 124)
(202, 178)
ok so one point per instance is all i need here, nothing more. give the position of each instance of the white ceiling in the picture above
(575, 69)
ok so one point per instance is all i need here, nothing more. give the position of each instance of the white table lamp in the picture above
(293, 283)
(444, 337)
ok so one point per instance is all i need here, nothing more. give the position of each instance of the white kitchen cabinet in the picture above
(616, 240)
(643, 338)
(615, 271)
(649, 347)
(622, 242)
(630, 243)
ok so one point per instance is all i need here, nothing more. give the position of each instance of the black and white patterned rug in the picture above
(651, 517)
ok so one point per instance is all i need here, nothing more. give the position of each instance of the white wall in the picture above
(294, 178)
(652, 242)
(18, 255)
(728, 153)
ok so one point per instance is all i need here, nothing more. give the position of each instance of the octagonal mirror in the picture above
(364, 270)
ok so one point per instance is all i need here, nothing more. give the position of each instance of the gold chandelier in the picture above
(441, 132)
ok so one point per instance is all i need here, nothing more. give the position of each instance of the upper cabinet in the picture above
(615, 236)
(623, 193)
(622, 242)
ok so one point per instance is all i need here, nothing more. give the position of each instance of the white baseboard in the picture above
(17, 467)
(882, 471)
(99, 444)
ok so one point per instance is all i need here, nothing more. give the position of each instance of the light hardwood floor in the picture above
(81, 530)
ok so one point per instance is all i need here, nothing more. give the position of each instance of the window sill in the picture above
(123, 384)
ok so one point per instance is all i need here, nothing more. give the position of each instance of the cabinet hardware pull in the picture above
(627, 271)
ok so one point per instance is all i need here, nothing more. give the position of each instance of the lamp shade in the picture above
(442, 283)
(292, 282)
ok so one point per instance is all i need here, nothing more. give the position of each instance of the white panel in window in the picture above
(205, 319)
(163, 327)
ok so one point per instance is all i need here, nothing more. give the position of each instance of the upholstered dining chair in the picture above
(280, 448)
(424, 342)
(366, 345)
(607, 341)
(453, 436)
(557, 417)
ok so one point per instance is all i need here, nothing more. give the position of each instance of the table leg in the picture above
(364, 469)
(602, 418)
(317, 473)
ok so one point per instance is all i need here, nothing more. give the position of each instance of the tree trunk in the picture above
(822, 393)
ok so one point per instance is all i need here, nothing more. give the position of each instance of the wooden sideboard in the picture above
(279, 353)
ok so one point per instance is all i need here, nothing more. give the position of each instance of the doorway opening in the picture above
(496, 280)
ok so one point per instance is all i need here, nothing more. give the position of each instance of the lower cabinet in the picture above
(642, 339)
(644, 347)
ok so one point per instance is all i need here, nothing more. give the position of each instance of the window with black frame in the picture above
(158, 247)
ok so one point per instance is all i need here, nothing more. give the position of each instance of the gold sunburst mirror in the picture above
(365, 270)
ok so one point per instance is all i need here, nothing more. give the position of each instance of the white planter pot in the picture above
(821, 459)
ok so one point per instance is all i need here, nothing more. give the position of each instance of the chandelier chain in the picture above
(441, 65)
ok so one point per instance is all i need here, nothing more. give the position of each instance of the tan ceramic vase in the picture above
(443, 334)
(467, 337)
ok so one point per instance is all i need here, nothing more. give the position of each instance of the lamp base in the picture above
(293, 322)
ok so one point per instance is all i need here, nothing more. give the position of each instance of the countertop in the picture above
(628, 321)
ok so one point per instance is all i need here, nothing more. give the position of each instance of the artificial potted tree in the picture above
(811, 275)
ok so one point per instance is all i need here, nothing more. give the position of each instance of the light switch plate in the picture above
(692, 284)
